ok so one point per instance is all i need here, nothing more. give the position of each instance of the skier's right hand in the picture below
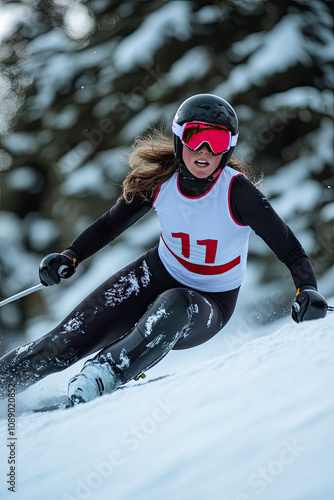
(56, 266)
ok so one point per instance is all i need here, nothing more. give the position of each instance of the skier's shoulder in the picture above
(243, 189)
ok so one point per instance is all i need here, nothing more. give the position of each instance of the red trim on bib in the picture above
(203, 269)
(156, 196)
(229, 201)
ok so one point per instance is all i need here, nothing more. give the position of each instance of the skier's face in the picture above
(201, 163)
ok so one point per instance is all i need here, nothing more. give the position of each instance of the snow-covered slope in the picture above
(252, 423)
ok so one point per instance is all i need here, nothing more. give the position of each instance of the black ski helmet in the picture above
(207, 108)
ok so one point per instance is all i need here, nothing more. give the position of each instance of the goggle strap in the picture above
(234, 139)
(178, 130)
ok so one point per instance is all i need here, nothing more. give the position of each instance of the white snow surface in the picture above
(245, 420)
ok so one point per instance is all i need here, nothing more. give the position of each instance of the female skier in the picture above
(183, 291)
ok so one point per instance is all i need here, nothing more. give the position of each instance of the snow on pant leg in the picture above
(30, 363)
(214, 310)
(170, 318)
(107, 314)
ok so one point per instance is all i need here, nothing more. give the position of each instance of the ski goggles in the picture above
(194, 134)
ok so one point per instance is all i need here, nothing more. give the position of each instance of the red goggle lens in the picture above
(195, 134)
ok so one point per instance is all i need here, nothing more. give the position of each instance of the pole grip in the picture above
(62, 271)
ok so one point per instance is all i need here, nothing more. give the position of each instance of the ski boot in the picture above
(95, 379)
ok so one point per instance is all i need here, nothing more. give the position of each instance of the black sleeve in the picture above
(251, 208)
(105, 229)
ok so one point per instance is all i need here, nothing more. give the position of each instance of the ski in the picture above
(66, 403)
(143, 383)
(63, 405)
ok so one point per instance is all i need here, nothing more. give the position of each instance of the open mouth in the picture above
(202, 163)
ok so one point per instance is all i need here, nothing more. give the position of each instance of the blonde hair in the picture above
(152, 162)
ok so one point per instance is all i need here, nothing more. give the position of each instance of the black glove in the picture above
(56, 266)
(308, 304)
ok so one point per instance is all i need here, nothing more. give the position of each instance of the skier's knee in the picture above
(176, 299)
(167, 316)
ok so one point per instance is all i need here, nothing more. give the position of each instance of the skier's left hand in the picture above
(308, 304)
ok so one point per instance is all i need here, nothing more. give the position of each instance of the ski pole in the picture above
(33, 289)
(22, 294)
(330, 308)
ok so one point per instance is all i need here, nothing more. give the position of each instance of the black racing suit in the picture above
(142, 312)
